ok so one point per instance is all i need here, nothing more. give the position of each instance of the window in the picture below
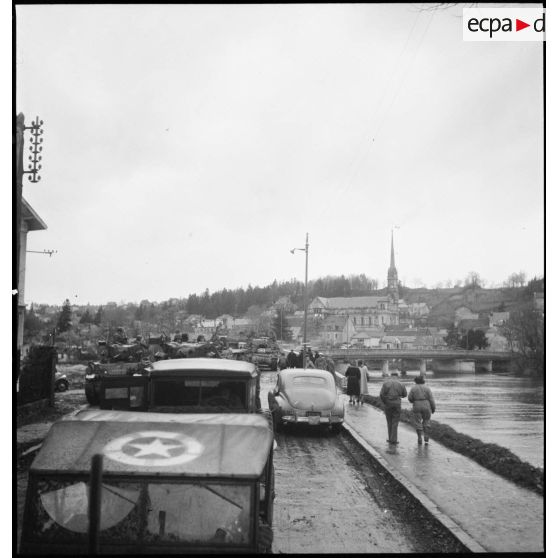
(308, 381)
(199, 393)
(148, 512)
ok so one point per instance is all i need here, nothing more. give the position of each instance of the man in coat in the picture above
(391, 394)
(292, 360)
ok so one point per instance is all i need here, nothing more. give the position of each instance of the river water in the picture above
(496, 408)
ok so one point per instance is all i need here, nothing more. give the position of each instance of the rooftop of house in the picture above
(31, 218)
(474, 324)
(342, 303)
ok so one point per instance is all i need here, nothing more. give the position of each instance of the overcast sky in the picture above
(191, 147)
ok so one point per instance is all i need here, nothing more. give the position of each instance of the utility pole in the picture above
(33, 168)
(305, 303)
(305, 249)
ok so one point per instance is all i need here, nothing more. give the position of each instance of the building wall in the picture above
(21, 283)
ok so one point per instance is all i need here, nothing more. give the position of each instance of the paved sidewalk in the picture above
(485, 511)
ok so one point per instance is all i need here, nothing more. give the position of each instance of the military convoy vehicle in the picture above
(187, 385)
(113, 482)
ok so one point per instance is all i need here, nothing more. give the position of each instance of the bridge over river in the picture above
(458, 360)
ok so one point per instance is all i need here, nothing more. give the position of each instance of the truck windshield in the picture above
(144, 512)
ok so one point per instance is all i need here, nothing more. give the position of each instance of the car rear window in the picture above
(308, 381)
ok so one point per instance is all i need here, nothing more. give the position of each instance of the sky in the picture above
(190, 147)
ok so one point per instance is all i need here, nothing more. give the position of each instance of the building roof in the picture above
(478, 323)
(376, 332)
(342, 303)
(361, 335)
(389, 339)
(402, 331)
(31, 218)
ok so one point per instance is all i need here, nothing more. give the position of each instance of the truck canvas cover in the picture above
(132, 443)
(205, 367)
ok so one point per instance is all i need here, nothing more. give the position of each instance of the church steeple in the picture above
(392, 280)
(392, 261)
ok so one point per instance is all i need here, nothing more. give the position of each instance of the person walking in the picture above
(391, 393)
(363, 381)
(422, 399)
(353, 382)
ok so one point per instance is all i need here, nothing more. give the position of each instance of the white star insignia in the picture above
(155, 447)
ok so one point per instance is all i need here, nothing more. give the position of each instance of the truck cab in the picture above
(188, 385)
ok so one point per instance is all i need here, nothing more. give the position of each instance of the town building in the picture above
(498, 318)
(30, 221)
(361, 316)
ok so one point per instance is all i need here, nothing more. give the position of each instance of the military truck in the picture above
(187, 385)
(113, 482)
(264, 353)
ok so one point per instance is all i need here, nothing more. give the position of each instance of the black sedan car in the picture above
(306, 397)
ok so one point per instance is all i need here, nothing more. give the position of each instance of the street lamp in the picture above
(305, 249)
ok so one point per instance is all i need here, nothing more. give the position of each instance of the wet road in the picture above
(332, 498)
(495, 408)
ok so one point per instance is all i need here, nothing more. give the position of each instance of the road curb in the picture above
(464, 538)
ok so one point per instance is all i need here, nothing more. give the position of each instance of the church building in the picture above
(365, 312)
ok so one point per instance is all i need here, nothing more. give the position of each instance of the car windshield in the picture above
(144, 512)
(173, 394)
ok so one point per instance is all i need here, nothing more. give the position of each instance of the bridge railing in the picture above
(418, 353)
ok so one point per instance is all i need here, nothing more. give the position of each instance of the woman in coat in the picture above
(423, 406)
(363, 381)
(353, 382)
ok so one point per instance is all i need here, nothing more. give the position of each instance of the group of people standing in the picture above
(420, 395)
(313, 360)
(357, 382)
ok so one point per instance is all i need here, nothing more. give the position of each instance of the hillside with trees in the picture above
(173, 313)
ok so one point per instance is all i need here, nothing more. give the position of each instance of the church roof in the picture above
(341, 303)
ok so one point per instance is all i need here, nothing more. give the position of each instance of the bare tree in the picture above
(473, 279)
(525, 334)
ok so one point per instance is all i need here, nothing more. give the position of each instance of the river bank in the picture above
(491, 456)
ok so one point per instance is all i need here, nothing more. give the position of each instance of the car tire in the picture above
(336, 428)
(277, 423)
(91, 395)
(62, 385)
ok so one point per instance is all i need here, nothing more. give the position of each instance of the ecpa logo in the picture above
(503, 24)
